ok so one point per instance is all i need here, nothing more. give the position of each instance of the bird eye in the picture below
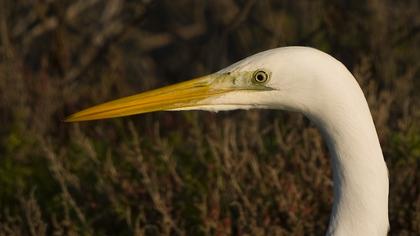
(260, 76)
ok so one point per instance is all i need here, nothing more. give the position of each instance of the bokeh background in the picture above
(190, 173)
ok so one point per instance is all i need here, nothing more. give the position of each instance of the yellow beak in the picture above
(182, 95)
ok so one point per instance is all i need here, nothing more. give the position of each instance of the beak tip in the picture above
(68, 120)
(71, 118)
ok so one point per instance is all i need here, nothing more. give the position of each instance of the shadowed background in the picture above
(190, 173)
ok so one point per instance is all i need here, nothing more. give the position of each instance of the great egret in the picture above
(300, 79)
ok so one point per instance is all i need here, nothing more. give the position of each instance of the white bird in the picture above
(299, 79)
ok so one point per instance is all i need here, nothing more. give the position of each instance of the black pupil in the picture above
(260, 77)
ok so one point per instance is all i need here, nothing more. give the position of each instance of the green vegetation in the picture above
(190, 173)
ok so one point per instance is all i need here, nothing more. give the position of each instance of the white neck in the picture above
(359, 171)
(316, 84)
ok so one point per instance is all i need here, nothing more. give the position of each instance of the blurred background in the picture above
(190, 173)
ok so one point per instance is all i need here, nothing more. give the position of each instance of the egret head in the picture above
(300, 79)
(275, 79)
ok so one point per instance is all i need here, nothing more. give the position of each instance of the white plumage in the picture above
(300, 79)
